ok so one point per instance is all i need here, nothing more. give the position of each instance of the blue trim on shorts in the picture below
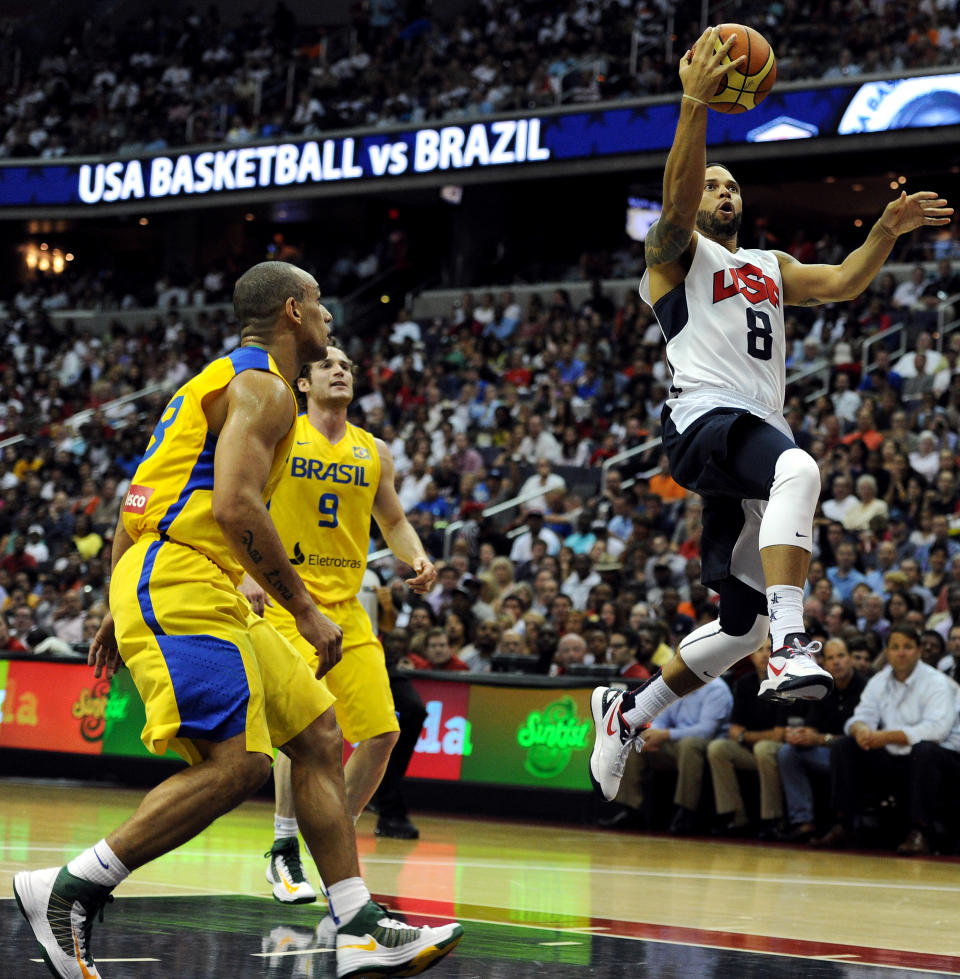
(143, 589)
(210, 686)
(207, 673)
(201, 478)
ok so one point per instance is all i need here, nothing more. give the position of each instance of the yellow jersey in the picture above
(171, 494)
(322, 509)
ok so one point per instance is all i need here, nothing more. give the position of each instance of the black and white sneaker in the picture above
(613, 741)
(793, 673)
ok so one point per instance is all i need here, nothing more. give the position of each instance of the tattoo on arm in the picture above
(666, 242)
(809, 302)
(273, 579)
(247, 538)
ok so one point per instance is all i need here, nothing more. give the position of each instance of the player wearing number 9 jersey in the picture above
(336, 478)
(720, 309)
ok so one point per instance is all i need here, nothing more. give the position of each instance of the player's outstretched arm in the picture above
(701, 69)
(809, 285)
(259, 413)
(397, 531)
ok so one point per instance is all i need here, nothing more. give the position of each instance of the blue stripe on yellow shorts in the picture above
(208, 675)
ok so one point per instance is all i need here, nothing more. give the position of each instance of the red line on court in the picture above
(614, 928)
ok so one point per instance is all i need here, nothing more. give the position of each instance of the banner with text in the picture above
(443, 151)
(517, 736)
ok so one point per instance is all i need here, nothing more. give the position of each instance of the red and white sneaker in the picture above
(793, 673)
(613, 741)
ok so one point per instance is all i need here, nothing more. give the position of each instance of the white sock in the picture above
(651, 700)
(283, 827)
(785, 607)
(356, 818)
(99, 865)
(346, 898)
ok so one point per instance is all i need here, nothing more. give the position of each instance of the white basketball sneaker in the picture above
(285, 872)
(613, 741)
(793, 673)
(61, 909)
(374, 944)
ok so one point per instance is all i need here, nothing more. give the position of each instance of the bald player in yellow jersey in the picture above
(336, 477)
(220, 685)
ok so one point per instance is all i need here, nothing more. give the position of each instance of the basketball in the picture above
(749, 85)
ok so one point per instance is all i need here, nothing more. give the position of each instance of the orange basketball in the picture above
(747, 86)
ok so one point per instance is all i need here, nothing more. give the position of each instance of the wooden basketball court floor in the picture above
(535, 900)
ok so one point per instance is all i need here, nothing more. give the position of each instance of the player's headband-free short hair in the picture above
(332, 342)
(262, 291)
(717, 163)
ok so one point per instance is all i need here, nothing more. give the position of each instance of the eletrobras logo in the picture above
(322, 560)
(551, 736)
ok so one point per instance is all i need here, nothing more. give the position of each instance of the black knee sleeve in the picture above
(739, 607)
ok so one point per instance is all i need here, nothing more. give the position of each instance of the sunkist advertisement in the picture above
(53, 707)
(64, 707)
(537, 737)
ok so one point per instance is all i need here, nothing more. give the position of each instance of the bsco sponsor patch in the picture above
(137, 498)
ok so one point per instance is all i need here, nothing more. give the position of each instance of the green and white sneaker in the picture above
(374, 944)
(285, 872)
(60, 909)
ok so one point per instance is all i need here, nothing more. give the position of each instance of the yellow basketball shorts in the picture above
(205, 666)
(359, 681)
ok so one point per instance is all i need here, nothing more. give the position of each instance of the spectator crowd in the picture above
(169, 79)
(597, 569)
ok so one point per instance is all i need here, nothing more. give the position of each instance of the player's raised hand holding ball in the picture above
(731, 68)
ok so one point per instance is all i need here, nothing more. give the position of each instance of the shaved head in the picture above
(262, 292)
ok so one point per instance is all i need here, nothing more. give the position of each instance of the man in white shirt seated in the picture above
(841, 499)
(846, 401)
(908, 292)
(413, 486)
(544, 480)
(405, 327)
(539, 442)
(581, 580)
(903, 738)
(522, 547)
(934, 361)
(867, 505)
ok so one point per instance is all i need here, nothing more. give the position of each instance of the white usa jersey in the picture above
(724, 330)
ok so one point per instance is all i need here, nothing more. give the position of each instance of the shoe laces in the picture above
(388, 922)
(85, 924)
(809, 649)
(633, 743)
(290, 855)
(393, 932)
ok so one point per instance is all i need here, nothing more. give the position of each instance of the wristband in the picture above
(693, 98)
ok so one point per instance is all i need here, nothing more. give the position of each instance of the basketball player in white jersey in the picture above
(720, 308)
